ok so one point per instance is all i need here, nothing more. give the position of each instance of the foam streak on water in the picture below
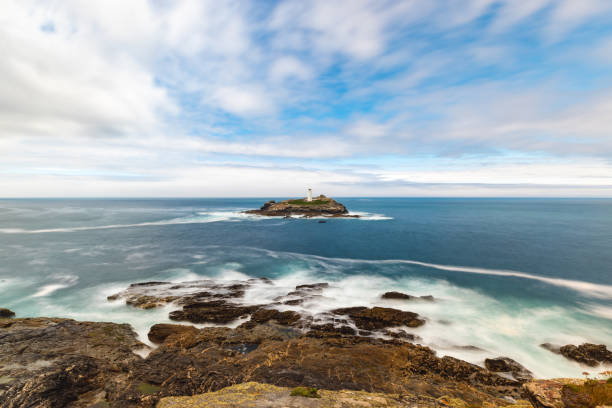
(201, 218)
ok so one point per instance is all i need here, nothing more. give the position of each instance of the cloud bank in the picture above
(355, 97)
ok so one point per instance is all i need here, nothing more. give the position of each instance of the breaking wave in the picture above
(201, 218)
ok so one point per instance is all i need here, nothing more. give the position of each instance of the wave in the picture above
(64, 281)
(201, 218)
(598, 290)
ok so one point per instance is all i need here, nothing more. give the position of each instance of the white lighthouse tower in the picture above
(309, 197)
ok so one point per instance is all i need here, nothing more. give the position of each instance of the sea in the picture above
(507, 274)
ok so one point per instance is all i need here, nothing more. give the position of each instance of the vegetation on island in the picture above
(301, 201)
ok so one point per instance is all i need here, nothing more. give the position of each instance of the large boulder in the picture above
(6, 313)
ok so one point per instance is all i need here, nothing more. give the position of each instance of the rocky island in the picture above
(307, 207)
(274, 354)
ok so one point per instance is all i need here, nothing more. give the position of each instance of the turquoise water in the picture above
(509, 274)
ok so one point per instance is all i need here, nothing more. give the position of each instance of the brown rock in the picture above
(401, 334)
(6, 313)
(218, 311)
(508, 365)
(212, 358)
(544, 393)
(380, 317)
(313, 286)
(330, 330)
(396, 295)
(587, 353)
(159, 332)
(47, 362)
(285, 318)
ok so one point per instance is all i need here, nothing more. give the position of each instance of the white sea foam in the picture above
(458, 318)
(202, 217)
(61, 282)
(365, 216)
(599, 310)
(46, 290)
(598, 290)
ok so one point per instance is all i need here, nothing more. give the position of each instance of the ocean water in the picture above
(507, 274)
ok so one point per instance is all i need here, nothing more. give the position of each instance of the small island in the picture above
(307, 207)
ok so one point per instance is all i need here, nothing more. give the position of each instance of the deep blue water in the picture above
(544, 266)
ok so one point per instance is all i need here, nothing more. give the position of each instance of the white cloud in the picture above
(110, 90)
(289, 68)
(351, 27)
(569, 14)
(364, 129)
(513, 12)
(243, 101)
(60, 84)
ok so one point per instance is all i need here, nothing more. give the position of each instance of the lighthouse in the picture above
(309, 197)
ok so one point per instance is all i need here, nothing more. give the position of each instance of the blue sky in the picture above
(265, 98)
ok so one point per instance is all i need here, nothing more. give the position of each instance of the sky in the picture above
(220, 98)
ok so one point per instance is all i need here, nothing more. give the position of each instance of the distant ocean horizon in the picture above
(508, 274)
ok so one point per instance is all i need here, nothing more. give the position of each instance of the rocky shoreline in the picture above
(356, 356)
(320, 206)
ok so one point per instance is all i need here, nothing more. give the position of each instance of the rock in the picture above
(320, 206)
(209, 359)
(587, 353)
(59, 362)
(313, 286)
(48, 362)
(553, 393)
(403, 296)
(396, 295)
(217, 311)
(285, 318)
(322, 221)
(544, 393)
(428, 298)
(56, 386)
(148, 295)
(380, 317)
(146, 284)
(159, 332)
(253, 394)
(401, 334)
(330, 330)
(508, 365)
(6, 313)
(551, 347)
(303, 293)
